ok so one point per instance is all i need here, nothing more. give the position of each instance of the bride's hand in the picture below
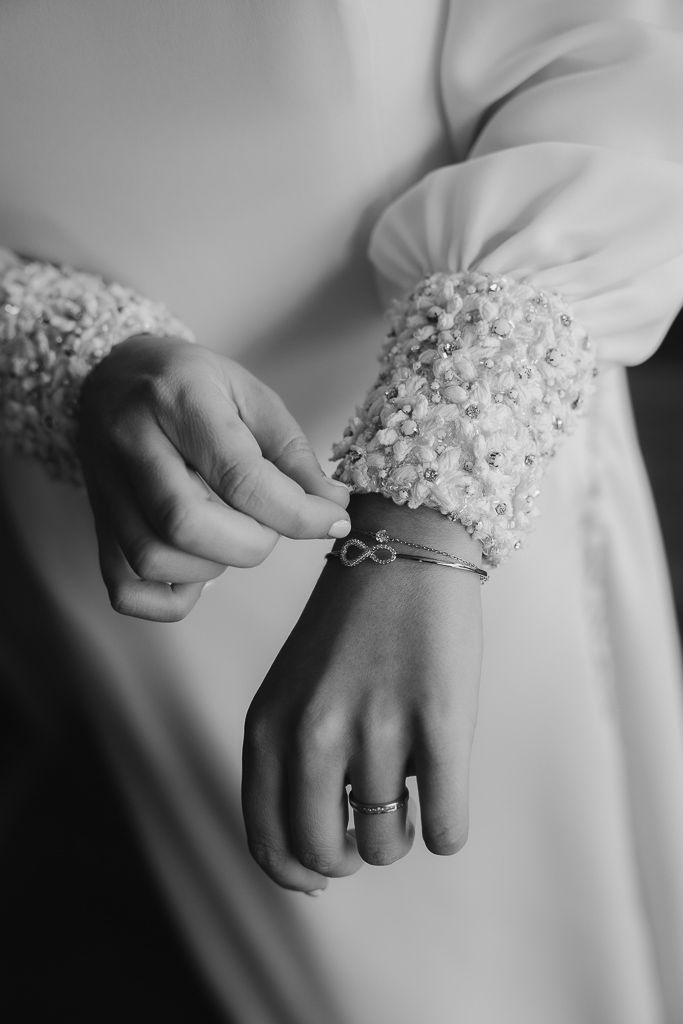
(378, 680)
(158, 414)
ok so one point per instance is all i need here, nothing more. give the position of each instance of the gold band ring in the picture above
(395, 805)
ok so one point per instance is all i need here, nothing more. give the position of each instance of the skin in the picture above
(159, 416)
(378, 679)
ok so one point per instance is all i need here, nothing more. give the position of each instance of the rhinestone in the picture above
(517, 545)
(501, 508)
(495, 459)
(501, 327)
(453, 516)
(447, 347)
(382, 536)
(529, 460)
(468, 466)
(472, 411)
(577, 403)
(354, 456)
(552, 357)
(391, 393)
(558, 422)
(566, 320)
(494, 287)
(431, 474)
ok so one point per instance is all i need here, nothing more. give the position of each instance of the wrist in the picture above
(424, 526)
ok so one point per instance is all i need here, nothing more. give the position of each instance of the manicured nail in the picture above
(339, 529)
(209, 583)
(315, 892)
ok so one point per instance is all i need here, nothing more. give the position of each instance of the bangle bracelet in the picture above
(383, 554)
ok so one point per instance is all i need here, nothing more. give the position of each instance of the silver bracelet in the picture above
(382, 553)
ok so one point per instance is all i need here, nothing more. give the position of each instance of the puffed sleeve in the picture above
(555, 241)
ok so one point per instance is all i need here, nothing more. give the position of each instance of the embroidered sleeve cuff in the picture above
(56, 324)
(481, 378)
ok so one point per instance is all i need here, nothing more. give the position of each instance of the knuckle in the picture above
(297, 447)
(316, 738)
(317, 859)
(269, 857)
(177, 523)
(241, 483)
(145, 558)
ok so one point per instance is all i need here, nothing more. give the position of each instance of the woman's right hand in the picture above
(158, 417)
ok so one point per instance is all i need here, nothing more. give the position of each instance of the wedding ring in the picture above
(395, 805)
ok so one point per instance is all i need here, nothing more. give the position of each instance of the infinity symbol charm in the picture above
(366, 551)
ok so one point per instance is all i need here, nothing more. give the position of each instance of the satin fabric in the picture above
(231, 160)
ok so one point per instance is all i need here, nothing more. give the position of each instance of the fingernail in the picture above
(338, 483)
(209, 583)
(339, 529)
(314, 892)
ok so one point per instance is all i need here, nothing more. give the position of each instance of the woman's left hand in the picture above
(378, 680)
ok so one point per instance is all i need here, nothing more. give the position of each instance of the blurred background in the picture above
(79, 911)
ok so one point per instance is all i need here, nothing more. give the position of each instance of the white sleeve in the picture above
(569, 116)
(557, 240)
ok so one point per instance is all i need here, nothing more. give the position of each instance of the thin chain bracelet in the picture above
(381, 553)
(381, 536)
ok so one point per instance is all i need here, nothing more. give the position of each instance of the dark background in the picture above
(84, 934)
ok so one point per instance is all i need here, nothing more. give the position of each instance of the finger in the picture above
(186, 516)
(319, 817)
(148, 555)
(265, 806)
(284, 443)
(160, 602)
(381, 838)
(226, 454)
(442, 770)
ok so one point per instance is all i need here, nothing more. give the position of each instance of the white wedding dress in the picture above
(231, 159)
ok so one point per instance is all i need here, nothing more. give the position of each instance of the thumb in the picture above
(298, 461)
(282, 440)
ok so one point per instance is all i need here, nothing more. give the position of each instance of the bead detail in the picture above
(501, 367)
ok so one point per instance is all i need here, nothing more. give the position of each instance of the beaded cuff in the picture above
(56, 324)
(481, 378)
